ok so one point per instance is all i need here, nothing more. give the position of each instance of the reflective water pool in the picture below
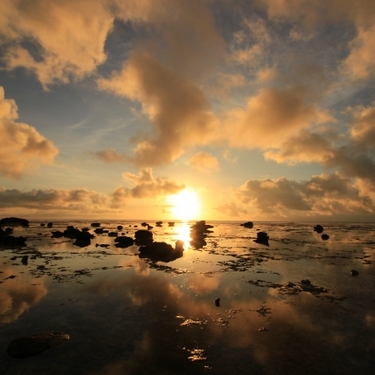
(231, 306)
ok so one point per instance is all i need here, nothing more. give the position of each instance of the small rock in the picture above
(325, 237)
(217, 302)
(318, 228)
(354, 273)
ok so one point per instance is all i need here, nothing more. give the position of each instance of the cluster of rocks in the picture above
(319, 229)
(262, 237)
(6, 237)
(198, 233)
(82, 237)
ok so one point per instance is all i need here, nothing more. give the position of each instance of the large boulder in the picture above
(248, 224)
(262, 238)
(123, 241)
(13, 222)
(161, 251)
(143, 237)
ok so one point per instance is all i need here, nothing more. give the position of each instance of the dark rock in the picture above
(12, 241)
(143, 237)
(99, 230)
(57, 234)
(119, 227)
(159, 223)
(95, 225)
(24, 260)
(144, 224)
(8, 230)
(29, 346)
(123, 241)
(354, 273)
(112, 234)
(262, 238)
(42, 224)
(171, 223)
(161, 251)
(217, 302)
(50, 225)
(325, 237)
(248, 224)
(13, 222)
(306, 281)
(83, 239)
(198, 232)
(318, 228)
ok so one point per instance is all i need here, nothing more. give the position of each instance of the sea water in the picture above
(229, 306)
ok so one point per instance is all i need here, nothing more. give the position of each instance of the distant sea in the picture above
(231, 304)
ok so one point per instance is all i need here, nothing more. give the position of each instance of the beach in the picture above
(229, 304)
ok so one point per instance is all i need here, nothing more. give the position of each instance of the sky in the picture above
(187, 109)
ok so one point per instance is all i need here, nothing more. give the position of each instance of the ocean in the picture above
(232, 302)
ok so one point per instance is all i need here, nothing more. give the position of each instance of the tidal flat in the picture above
(228, 305)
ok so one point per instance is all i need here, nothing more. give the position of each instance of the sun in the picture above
(185, 205)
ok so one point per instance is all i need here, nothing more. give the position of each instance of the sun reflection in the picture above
(185, 205)
(183, 234)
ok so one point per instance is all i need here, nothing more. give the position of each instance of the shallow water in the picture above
(127, 315)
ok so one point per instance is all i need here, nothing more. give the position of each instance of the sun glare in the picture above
(185, 205)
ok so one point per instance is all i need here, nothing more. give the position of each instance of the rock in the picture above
(42, 224)
(50, 225)
(24, 260)
(95, 225)
(198, 232)
(29, 346)
(161, 251)
(354, 273)
(248, 224)
(262, 238)
(143, 237)
(57, 234)
(12, 241)
(171, 223)
(119, 227)
(13, 222)
(144, 224)
(306, 281)
(123, 241)
(99, 230)
(217, 302)
(83, 239)
(318, 228)
(159, 223)
(112, 234)
(325, 237)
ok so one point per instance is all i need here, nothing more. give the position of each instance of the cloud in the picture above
(352, 153)
(57, 40)
(231, 209)
(178, 109)
(17, 296)
(271, 117)
(145, 186)
(110, 156)
(326, 194)
(52, 199)
(204, 161)
(21, 146)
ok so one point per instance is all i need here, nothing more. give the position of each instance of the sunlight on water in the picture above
(230, 306)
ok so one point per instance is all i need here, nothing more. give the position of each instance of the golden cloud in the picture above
(21, 146)
(203, 161)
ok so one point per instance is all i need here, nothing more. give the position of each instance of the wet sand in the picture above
(232, 306)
